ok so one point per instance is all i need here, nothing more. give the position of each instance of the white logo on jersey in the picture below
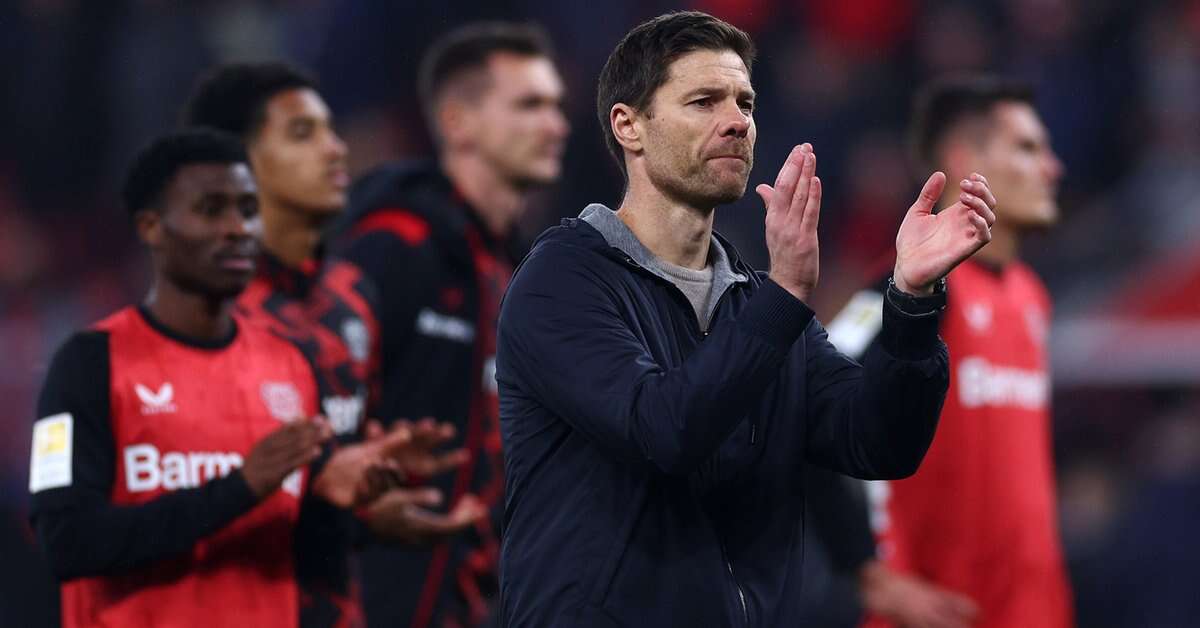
(343, 413)
(293, 482)
(147, 470)
(489, 375)
(156, 402)
(981, 383)
(979, 316)
(358, 339)
(430, 323)
(857, 324)
(283, 400)
(50, 456)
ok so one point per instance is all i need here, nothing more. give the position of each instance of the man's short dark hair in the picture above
(944, 104)
(158, 162)
(466, 50)
(233, 97)
(638, 65)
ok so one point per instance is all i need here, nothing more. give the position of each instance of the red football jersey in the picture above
(181, 416)
(979, 516)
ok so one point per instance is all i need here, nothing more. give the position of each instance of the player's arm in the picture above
(72, 475)
(564, 345)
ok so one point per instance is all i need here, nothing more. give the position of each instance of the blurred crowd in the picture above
(1118, 83)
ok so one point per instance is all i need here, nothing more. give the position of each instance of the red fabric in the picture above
(216, 403)
(403, 224)
(862, 27)
(979, 516)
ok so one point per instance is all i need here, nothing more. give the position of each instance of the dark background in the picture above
(85, 83)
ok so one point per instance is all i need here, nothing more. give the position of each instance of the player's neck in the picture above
(1002, 250)
(188, 313)
(496, 199)
(290, 235)
(671, 230)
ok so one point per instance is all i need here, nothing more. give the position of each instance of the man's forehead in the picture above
(299, 101)
(214, 178)
(516, 71)
(699, 66)
(1019, 118)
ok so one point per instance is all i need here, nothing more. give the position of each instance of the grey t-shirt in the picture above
(701, 287)
(696, 285)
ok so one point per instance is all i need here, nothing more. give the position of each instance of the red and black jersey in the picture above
(138, 498)
(979, 517)
(326, 310)
(440, 278)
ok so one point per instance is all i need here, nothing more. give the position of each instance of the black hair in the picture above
(158, 162)
(233, 97)
(638, 65)
(944, 104)
(467, 49)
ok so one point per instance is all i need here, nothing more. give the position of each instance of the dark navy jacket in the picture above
(654, 471)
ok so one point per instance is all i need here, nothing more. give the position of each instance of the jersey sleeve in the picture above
(73, 462)
(389, 247)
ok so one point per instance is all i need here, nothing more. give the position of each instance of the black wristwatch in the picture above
(914, 305)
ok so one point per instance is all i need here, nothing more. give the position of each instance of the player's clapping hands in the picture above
(284, 450)
(358, 474)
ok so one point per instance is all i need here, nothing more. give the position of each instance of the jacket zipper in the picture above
(703, 334)
(736, 585)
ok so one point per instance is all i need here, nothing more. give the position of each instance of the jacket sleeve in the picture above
(71, 478)
(565, 343)
(877, 420)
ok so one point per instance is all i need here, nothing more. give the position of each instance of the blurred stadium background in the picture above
(85, 83)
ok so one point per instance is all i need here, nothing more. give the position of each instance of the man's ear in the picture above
(149, 227)
(457, 122)
(624, 121)
(960, 156)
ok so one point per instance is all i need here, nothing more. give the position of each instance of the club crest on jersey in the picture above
(343, 413)
(156, 401)
(282, 400)
(358, 339)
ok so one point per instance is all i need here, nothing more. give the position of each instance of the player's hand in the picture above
(911, 602)
(404, 516)
(420, 458)
(388, 459)
(288, 448)
(793, 211)
(359, 473)
(930, 245)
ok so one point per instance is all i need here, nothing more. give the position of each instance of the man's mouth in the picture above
(339, 177)
(241, 262)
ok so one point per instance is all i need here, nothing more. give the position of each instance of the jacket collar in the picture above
(619, 237)
(295, 282)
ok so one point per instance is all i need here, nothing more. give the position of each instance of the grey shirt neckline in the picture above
(619, 236)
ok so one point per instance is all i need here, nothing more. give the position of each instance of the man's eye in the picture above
(248, 207)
